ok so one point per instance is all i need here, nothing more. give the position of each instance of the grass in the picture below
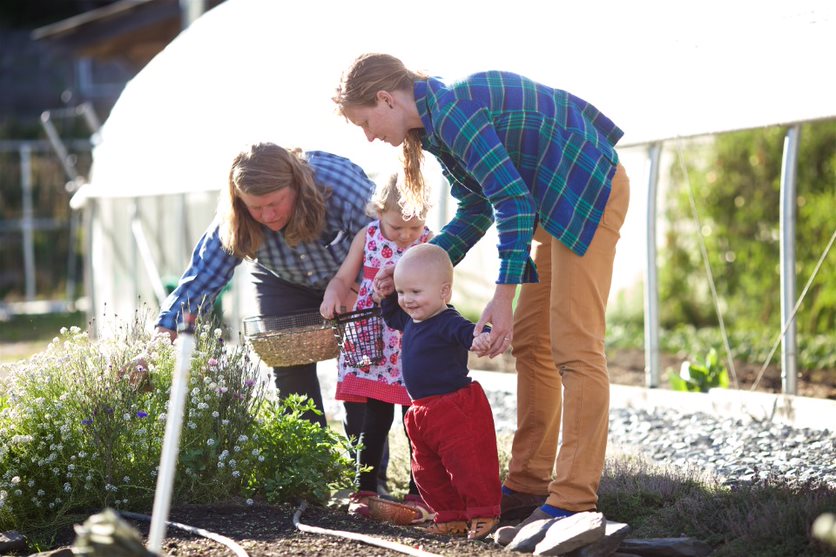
(25, 335)
(45, 326)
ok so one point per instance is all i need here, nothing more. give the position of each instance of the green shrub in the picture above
(82, 423)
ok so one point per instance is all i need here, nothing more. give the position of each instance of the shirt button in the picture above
(310, 273)
(301, 256)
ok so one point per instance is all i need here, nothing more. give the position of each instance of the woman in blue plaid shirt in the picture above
(292, 217)
(541, 164)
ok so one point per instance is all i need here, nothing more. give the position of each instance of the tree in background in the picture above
(736, 187)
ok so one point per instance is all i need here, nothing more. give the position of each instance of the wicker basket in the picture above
(390, 511)
(292, 340)
(360, 335)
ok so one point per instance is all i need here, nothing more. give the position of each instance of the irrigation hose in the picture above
(371, 540)
(237, 549)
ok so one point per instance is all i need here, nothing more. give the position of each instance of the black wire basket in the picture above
(360, 336)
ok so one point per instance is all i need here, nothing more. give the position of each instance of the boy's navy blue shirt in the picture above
(433, 352)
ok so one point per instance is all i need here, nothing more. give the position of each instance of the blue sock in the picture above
(554, 512)
(507, 491)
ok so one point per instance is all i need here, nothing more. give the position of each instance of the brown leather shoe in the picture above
(519, 505)
(506, 534)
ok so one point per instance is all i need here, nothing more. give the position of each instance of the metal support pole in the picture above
(134, 212)
(181, 239)
(789, 364)
(90, 117)
(90, 210)
(651, 282)
(141, 245)
(190, 10)
(27, 224)
(60, 148)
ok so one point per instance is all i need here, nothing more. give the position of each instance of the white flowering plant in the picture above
(82, 424)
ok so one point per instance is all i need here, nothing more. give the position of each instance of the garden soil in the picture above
(269, 531)
(626, 367)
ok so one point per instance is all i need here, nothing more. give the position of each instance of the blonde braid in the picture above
(414, 190)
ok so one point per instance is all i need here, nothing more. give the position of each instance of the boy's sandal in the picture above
(454, 528)
(481, 527)
(424, 512)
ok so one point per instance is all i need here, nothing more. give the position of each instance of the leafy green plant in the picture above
(301, 459)
(701, 377)
(735, 183)
(82, 423)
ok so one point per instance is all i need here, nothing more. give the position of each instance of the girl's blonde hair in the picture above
(263, 168)
(389, 197)
(359, 86)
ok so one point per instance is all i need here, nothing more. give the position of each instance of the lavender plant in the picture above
(82, 423)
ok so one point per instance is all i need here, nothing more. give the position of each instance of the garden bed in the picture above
(626, 367)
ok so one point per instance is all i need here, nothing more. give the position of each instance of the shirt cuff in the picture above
(515, 271)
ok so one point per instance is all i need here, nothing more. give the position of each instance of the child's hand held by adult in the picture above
(481, 344)
(384, 283)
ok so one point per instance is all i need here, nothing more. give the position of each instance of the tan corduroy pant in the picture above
(561, 364)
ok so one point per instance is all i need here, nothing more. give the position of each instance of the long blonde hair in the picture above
(263, 168)
(360, 83)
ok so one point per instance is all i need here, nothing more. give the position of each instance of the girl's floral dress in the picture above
(382, 381)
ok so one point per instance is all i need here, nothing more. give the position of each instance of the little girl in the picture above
(379, 386)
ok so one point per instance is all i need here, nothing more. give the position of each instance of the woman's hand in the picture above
(172, 334)
(499, 313)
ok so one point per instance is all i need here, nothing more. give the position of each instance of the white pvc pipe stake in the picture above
(171, 441)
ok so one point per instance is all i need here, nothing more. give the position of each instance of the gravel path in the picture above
(735, 449)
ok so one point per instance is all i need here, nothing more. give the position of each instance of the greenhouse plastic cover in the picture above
(255, 70)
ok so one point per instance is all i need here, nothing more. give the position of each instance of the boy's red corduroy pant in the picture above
(454, 455)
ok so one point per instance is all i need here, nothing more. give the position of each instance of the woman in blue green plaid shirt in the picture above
(541, 164)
